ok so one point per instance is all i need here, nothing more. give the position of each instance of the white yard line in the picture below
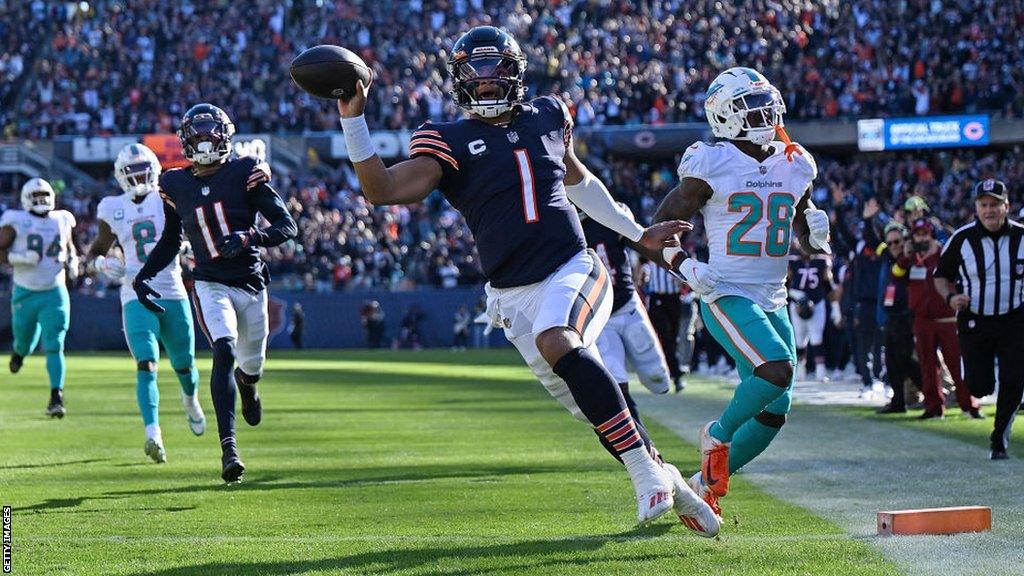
(845, 468)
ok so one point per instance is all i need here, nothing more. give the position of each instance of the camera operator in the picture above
(934, 321)
(986, 260)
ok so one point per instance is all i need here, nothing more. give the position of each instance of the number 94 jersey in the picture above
(48, 236)
(749, 217)
(138, 227)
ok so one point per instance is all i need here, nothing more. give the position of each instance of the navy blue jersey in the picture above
(507, 182)
(214, 206)
(611, 248)
(811, 276)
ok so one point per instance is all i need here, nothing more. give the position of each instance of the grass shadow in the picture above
(52, 464)
(363, 477)
(552, 556)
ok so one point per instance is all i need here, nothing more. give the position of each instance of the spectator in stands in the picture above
(894, 318)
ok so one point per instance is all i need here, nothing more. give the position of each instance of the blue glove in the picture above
(234, 244)
(145, 294)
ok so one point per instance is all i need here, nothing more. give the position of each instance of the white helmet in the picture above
(137, 170)
(38, 196)
(742, 104)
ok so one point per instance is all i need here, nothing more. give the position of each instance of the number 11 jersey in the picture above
(749, 217)
(138, 226)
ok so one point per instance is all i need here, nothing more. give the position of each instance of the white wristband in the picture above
(357, 138)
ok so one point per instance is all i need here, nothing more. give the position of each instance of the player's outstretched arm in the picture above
(590, 195)
(406, 182)
(811, 226)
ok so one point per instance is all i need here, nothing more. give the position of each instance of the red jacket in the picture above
(925, 301)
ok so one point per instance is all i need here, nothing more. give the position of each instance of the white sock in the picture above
(153, 432)
(640, 465)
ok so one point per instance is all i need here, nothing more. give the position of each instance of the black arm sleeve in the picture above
(949, 260)
(166, 249)
(282, 227)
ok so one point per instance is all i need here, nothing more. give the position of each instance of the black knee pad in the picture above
(223, 350)
(771, 420)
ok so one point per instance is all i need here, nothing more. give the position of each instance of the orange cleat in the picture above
(707, 495)
(714, 462)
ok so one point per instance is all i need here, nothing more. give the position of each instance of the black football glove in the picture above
(145, 294)
(234, 244)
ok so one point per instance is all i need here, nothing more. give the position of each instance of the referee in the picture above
(665, 308)
(985, 259)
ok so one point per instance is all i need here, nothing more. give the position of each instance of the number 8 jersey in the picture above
(138, 227)
(749, 217)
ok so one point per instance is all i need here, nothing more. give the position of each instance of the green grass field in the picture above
(365, 463)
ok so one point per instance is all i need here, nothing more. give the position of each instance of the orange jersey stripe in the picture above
(418, 150)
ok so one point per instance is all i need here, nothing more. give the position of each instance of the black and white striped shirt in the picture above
(660, 281)
(988, 266)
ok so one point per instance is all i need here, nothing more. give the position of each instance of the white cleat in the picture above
(155, 449)
(653, 502)
(194, 414)
(693, 511)
(652, 485)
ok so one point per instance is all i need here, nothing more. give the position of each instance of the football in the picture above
(329, 71)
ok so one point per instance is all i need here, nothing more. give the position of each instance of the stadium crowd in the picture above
(115, 67)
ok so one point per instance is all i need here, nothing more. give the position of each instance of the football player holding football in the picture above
(215, 202)
(510, 169)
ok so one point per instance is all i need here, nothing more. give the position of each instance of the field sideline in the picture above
(378, 463)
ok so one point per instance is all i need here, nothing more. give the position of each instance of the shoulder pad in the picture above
(695, 162)
(429, 139)
(258, 173)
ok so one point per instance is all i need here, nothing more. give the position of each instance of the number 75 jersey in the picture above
(749, 217)
(138, 227)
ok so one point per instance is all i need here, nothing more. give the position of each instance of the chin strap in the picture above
(791, 147)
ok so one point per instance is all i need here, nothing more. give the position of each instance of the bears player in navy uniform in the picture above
(215, 203)
(509, 168)
(810, 284)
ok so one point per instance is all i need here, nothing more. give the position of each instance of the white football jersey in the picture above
(48, 235)
(749, 217)
(138, 227)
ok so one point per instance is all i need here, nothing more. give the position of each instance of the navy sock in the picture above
(640, 428)
(600, 399)
(222, 388)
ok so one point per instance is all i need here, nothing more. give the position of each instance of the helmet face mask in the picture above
(38, 197)
(205, 135)
(137, 170)
(487, 69)
(742, 105)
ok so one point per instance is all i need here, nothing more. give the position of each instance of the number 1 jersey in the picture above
(507, 182)
(749, 217)
(138, 226)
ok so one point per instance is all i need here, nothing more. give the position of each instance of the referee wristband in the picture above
(357, 138)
